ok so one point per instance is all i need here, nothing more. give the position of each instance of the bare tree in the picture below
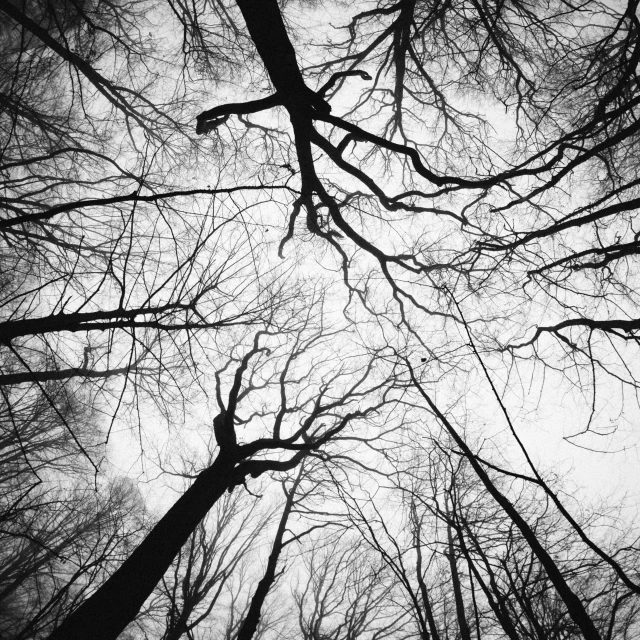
(62, 529)
(488, 220)
(302, 405)
(345, 593)
(464, 175)
(196, 587)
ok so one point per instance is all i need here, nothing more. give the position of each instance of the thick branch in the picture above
(608, 326)
(267, 30)
(116, 603)
(209, 120)
(100, 321)
(62, 374)
(568, 223)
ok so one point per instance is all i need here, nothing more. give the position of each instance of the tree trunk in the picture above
(574, 605)
(115, 604)
(252, 619)
(463, 625)
(424, 592)
(492, 593)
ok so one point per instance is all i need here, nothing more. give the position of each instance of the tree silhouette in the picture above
(315, 232)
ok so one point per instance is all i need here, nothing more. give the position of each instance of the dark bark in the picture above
(424, 592)
(116, 603)
(266, 28)
(105, 614)
(179, 627)
(212, 118)
(134, 197)
(100, 321)
(573, 604)
(492, 592)
(463, 625)
(62, 374)
(401, 44)
(252, 619)
(607, 326)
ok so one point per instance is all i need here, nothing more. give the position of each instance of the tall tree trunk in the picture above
(106, 613)
(266, 28)
(463, 625)
(252, 619)
(493, 594)
(424, 592)
(574, 605)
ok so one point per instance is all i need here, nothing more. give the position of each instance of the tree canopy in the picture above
(300, 304)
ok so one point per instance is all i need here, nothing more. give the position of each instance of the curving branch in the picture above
(213, 118)
(327, 86)
(608, 254)
(607, 326)
(570, 222)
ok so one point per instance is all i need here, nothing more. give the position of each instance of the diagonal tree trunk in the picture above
(574, 605)
(252, 619)
(105, 614)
